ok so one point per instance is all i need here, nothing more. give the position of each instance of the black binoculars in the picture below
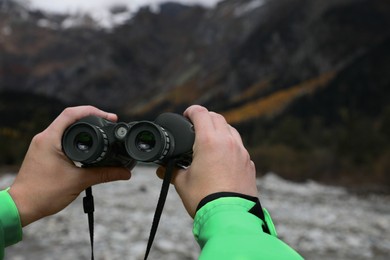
(94, 141)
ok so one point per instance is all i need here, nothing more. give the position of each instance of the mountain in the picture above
(305, 82)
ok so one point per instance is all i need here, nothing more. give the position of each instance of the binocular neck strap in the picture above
(89, 208)
(160, 204)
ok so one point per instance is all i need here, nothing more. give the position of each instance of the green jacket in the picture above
(225, 228)
(10, 226)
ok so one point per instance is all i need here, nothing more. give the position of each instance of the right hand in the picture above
(220, 161)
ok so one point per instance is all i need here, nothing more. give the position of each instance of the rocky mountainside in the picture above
(306, 82)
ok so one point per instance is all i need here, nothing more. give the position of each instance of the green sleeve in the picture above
(10, 225)
(225, 229)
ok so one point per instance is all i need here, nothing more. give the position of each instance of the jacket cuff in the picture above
(255, 209)
(217, 215)
(10, 224)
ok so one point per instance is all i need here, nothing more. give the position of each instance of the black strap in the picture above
(160, 204)
(89, 208)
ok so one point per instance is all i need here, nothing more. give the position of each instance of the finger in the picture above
(201, 119)
(219, 122)
(98, 175)
(236, 134)
(160, 172)
(71, 115)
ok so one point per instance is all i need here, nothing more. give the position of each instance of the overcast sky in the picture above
(98, 5)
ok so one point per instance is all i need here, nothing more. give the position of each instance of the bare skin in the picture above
(48, 181)
(220, 161)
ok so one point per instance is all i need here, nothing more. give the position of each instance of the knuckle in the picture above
(198, 108)
(68, 111)
(219, 116)
(39, 139)
(195, 109)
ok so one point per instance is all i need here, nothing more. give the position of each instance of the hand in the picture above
(220, 161)
(48, 181)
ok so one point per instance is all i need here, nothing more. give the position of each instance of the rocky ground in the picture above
(321, 222)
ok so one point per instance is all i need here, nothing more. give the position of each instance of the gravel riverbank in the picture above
(320, 222)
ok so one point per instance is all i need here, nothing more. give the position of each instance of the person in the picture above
(218, 190)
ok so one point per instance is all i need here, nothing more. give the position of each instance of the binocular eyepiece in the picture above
(94, 141)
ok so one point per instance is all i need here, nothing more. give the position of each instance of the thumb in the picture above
(106, 174)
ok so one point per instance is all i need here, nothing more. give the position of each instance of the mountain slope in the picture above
(305, 81)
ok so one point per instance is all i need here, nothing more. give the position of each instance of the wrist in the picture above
(10, 219)
(253, 206)
(22, 207)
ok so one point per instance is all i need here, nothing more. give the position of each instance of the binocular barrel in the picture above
(94, 141)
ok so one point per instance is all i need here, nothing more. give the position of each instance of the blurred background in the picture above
(306, 82)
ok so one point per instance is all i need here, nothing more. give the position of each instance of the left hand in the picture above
(48, 181)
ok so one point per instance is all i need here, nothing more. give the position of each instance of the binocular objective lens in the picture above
(145, 141)
(83, 142)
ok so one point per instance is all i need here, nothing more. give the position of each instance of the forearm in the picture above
(10, 226)
(225, 229)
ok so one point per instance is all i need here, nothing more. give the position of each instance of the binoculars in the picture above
(95, 141)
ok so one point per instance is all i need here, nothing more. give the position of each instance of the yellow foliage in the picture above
(9, 132)
(252, 90)
(276, 102)
(147, 106)
(186, 93)
(268, 106)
